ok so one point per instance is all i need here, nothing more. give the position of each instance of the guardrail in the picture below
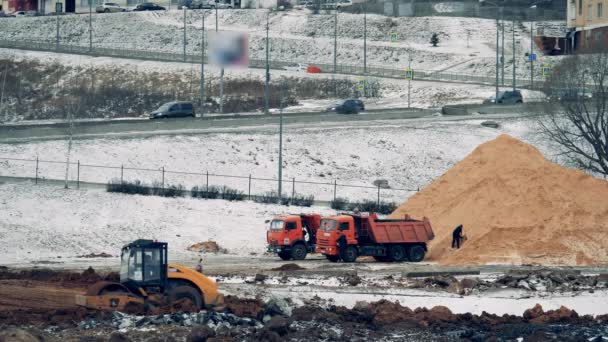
(344, 69)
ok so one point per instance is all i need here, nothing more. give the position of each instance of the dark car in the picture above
(148, 6)
(174, 110)
(351, 106)
(507, 97)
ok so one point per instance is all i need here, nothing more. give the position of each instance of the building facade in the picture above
(588, 24)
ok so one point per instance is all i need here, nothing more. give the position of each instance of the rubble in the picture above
(288, 267)
(209, 246)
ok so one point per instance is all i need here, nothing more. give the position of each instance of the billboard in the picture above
(229, 49)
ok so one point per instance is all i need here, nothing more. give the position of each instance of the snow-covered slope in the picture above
(296, 36)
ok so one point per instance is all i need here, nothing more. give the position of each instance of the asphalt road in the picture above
(146, 127)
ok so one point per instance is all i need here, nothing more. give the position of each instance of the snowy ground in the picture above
(407, 153)
(299, 36)
(50, 223)
(393, 92)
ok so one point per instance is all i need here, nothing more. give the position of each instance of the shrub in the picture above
(157, 189)
(302, 201)
(126, 187)
(174, 191)
(212, 192)
(339, 203)
(372, 206)
(232, 194)
(267, 198)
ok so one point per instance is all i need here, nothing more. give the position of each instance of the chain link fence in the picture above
(96, 175)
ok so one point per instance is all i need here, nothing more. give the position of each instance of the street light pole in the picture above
(502, 60)
(203, 65)
(497, 38)
(90, 25)
(514, 66)
(184, 33)
(267, 84)
(221, 71)
(531, 52)
(365, 38)
(281, 149)
(57, 40)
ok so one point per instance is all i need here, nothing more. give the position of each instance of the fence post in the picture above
(36, 169)
(207, 180)
(378, 205)
(78, 175)
(249, 194)
(162, 182)
(335, 189)
(122, 170)
(293, 189)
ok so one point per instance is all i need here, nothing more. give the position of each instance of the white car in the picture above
(108, 7)
(221, 4)
(300, 67)
(19, 14)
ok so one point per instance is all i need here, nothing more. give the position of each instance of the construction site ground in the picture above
(42, 295)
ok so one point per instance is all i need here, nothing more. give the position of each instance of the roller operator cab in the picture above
(346, 237)
(148, 280)
(293, 236)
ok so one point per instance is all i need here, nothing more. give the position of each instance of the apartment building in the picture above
(588, 24)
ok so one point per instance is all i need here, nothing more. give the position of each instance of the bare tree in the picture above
(576, 113)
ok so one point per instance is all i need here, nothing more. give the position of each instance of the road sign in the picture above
(546, 70)
(409, 74)
(361, 84)
(532, 57)
(394, 36)
(58, 7)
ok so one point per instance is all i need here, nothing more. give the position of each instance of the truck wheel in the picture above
(285, 255)
(349, 254)
(186, 292)
(397, 253)
(298, 252)
(333, 258)
(416, 253)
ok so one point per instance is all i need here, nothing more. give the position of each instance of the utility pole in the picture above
(335, 38)
(281, 146)
(203, 65)
(267, 84)
(221, 71)
(514, 65)
(57, 16)
(409, 81)
(531, 52)
(497, 38)
(184, 32)
(502, 60)
(365, 39)
(335, 49)
(90, 25)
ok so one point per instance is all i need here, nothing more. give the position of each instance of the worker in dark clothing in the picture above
(342, 245)
(457, 236)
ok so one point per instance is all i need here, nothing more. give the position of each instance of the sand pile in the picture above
(516, 208)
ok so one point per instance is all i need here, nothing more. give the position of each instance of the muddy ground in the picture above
(41, 304)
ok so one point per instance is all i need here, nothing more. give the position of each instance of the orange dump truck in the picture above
(293, 236)
(346, 237)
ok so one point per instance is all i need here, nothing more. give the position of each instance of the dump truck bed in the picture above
(398, 231)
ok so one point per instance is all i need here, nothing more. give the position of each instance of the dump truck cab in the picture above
(347, 236)
(148, 280)
(293, 236)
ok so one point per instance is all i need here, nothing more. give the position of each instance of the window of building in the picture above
(598, 36)
(580, 7)
(600, 10)
(589, 12)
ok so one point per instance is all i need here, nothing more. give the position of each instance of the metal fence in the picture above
(95, 175)
(344, 69)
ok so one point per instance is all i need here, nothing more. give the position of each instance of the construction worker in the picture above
(457, 236)
(199, 266)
